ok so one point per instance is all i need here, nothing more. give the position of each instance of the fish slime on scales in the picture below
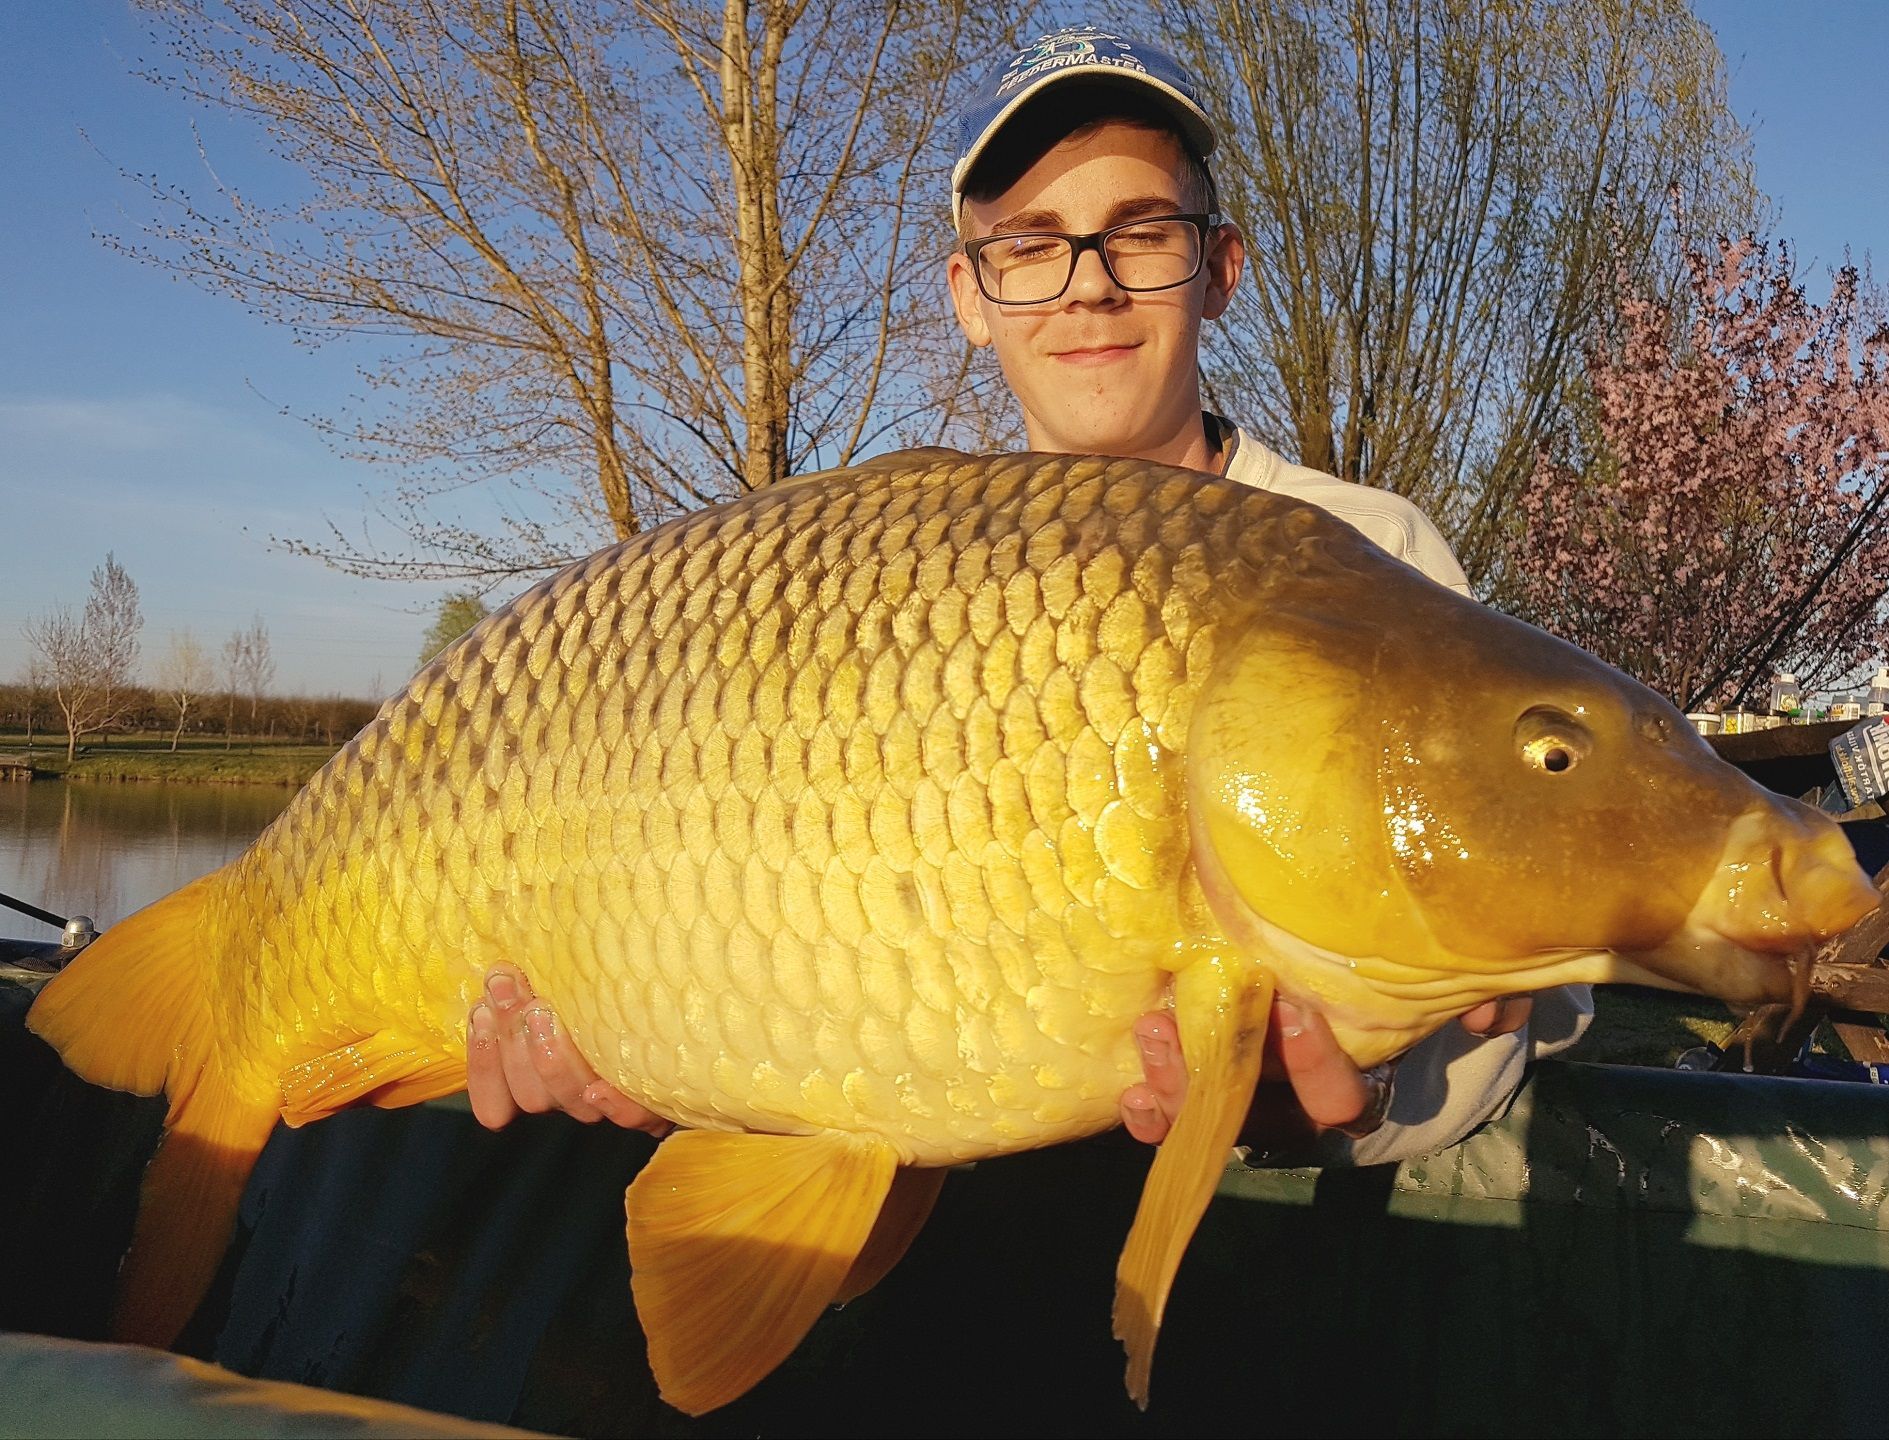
(853, 823)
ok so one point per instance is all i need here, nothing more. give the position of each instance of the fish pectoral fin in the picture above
(737, 1243)
(906, 1209)
(387, 1069)
(1221, 1006)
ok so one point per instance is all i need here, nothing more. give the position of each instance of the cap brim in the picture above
(1191, 118)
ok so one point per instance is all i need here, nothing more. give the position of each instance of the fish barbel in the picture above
(852, 824)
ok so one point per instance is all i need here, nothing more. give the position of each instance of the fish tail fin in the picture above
(132, 1012)
(187, 1207)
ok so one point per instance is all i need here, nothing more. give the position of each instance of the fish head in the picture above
(1450, 805)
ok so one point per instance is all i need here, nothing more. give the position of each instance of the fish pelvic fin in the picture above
(1221, 1005)
(906, 1209)
(737, 1243)
(132, 1012)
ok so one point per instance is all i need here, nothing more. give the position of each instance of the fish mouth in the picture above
(1784, 883)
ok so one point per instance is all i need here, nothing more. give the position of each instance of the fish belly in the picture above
(854, 805)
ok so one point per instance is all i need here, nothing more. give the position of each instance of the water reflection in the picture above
(107, 850)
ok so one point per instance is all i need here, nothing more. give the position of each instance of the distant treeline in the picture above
(303, 719)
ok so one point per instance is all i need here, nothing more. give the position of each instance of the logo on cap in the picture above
(1071, 46)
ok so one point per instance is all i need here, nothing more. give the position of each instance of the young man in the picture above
(1091, 255)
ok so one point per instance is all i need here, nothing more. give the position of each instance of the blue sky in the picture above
(1806, 76)
(140, 415)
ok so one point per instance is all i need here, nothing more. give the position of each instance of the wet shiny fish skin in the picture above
(854, 804)
(862, 804)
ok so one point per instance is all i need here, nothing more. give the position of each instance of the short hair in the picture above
(1067, 112)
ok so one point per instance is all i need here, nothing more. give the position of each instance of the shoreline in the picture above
(285, 765)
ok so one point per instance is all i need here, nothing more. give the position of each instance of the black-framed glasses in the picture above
(1034, 267)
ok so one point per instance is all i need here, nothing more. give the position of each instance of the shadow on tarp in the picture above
(1627, 1252)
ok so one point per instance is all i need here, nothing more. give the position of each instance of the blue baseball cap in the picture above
(1076, 52)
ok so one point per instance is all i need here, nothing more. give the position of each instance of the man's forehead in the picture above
(1114, 165)
(1049, 217)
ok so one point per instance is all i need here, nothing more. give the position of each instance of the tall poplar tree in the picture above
(632, 255)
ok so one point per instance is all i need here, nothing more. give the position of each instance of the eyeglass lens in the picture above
(1029, 269)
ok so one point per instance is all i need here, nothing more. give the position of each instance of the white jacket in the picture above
(1452, 1082)
(1383, 517)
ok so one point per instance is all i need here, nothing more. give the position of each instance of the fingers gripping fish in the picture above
(852, 824)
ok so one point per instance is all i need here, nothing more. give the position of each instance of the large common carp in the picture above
(853, 823)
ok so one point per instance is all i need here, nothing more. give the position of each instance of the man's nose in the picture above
(1091, 283)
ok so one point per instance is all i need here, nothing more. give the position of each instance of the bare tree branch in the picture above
(1425, 189)
(624, 257)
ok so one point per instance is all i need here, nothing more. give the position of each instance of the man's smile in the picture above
(1096, 354)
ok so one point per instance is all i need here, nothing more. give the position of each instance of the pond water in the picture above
(106, 850)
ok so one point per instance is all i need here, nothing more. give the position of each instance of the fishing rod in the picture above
(74, 931)
(38, 914)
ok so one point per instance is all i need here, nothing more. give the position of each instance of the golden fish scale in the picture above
(854, 805)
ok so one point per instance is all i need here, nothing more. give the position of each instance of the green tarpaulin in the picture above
(1627, 1252)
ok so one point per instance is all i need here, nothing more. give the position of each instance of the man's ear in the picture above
(965, 299)
(1226, 262)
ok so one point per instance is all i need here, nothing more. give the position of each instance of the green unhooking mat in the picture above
(1626, 1252)
(57, 1388)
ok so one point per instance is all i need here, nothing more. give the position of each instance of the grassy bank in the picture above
(1633, 1026)
(150, 758)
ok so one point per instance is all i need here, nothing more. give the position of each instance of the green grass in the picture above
(197, 760)
(1633, 1026)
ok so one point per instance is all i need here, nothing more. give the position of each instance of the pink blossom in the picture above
(1732, 513)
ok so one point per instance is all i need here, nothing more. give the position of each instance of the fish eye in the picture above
(1551, 740)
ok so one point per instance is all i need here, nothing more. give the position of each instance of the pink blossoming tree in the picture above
(1727, 511)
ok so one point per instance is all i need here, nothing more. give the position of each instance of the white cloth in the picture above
(1383, 517)
(1452, 1082)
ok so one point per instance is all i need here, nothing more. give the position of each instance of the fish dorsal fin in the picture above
(907, 1207)
(1221, 1006)
(737, 1243)
(385, 1069)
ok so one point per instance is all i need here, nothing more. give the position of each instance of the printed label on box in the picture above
(1861, 755)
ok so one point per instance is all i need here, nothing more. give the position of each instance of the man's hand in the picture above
(1327, 1090)
(519, 1058)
